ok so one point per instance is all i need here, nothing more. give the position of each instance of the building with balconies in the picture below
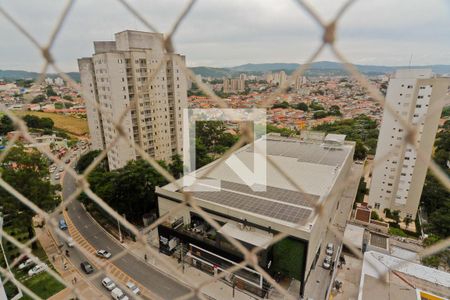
(134, 82)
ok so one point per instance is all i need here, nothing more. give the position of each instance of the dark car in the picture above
(86, 267)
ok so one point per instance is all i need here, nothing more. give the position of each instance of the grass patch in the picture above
(70, 124)
(43, 285)
(397, 232)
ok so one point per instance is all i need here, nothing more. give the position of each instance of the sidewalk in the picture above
(84, 288)
(217, 290)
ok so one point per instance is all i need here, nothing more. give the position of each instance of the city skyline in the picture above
(223, 35)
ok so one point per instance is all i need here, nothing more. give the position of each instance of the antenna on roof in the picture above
(410, 60)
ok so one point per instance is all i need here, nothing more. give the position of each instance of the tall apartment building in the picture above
(117, 78)
(299, 82)
(279, 78)
(398, 177)
(234, 85)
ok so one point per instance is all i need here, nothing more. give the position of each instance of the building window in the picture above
(377, 205)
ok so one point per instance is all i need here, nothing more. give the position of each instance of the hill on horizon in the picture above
(320, 68)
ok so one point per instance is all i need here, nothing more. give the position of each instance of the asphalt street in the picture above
(148, 276)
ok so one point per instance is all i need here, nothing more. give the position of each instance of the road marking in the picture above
(95, 237)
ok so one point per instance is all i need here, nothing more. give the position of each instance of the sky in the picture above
(224, 33)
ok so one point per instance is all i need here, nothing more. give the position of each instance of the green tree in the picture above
(282, 131)
(362, 190)
(129, 190)
(6, 125)
(335, 111)
(320, 114)
(302, 106)
(26, 172)
(176, 166)
(316, 106)
(407, 221)
(283, 104)
(396, 216)
(87, 158)
(360, 151)
(374, 215)
(50, 92)
(39, 99)
(36, 122)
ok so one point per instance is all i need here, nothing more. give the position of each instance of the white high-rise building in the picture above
(118, 77)
(398, 177)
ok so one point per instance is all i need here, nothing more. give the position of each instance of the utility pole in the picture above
(120, 232)
(182, 257)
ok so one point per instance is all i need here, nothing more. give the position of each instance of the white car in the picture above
(103, 253)
(61, 169)
(108, 283)
(117, 294)
(29, 262)
(37, 269)
(70, 242)
(327, 262)
(57, 177)
(133, 288)
(330, 249)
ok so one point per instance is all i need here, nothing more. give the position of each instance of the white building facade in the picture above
(133, 74)
(399, 174)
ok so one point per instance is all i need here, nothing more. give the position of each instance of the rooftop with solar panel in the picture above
(252, 208)
(306, 169)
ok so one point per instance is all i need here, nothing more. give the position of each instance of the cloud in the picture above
(226, 33)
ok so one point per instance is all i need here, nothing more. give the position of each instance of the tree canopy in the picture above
(37, 122)
(361, 129)
(6, 125)
(26, 171)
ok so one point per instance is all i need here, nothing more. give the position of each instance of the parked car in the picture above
(117, 294)
(103, 253)
(70, 242)
(57, 177)
(86, 267)
(327, 262)
(133, 288)
(28, 263)
(330, 249)
(62, 224)
(61, 169)
(108, 283)
(37, 269)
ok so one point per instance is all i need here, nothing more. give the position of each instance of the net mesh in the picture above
(82, 186)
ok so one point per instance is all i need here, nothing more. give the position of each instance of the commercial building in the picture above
(319, 165)
(398, 177)
(134, 73)
(405, 280)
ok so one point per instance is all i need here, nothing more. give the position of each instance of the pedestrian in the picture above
(145, 257)
(53, 258)
(75, 279)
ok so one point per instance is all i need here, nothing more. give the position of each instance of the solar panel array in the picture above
(239, 196)
(305, 152)
(283, 195)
